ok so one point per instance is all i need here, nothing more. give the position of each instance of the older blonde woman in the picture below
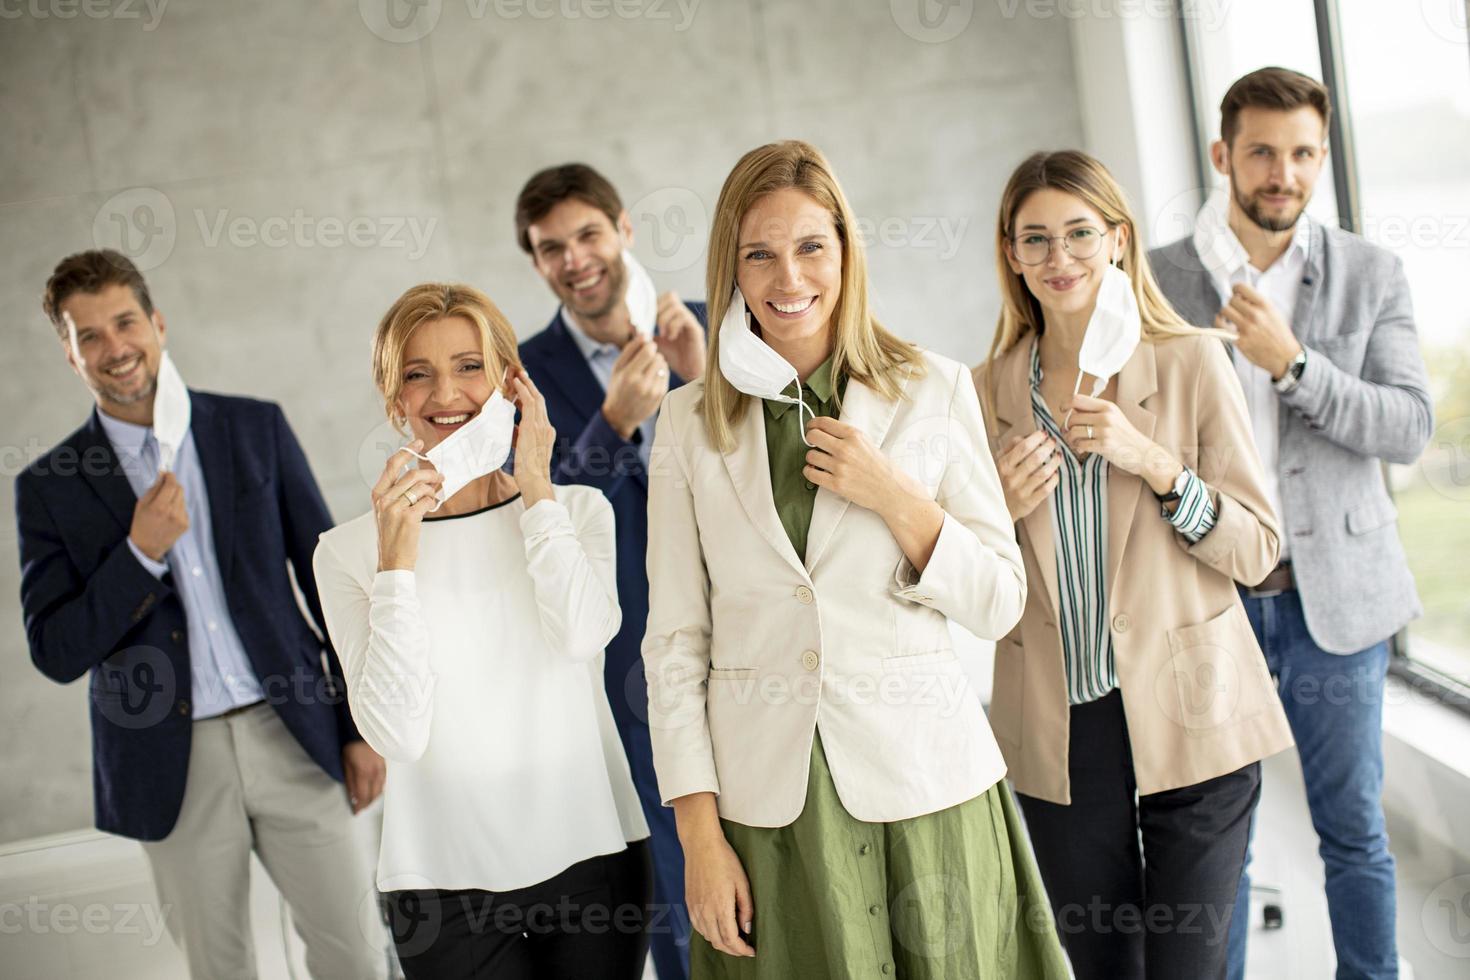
(835, 783)
(470, 608)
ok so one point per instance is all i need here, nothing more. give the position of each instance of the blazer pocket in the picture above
(731, 673)
(1371, 516)
(1215, 676)
(913, 661)
(249, 480)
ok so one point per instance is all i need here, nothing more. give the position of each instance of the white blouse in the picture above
(478, 676)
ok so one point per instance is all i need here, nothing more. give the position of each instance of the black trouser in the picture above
(1162, 913)
(589, 921)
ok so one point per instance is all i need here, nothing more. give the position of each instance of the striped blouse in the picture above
(1079, 523)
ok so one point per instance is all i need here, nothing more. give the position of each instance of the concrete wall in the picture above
(283, 171)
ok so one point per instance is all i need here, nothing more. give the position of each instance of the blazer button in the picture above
(803, 595)
(177, 636)
(184, 708)
(1121, 622)
(810, 659)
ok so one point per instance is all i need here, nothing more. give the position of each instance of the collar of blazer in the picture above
(1137, 381)
(750, 471)
(1197, 295)
(212, 441)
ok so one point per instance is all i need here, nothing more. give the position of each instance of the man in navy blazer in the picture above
(156, 561)
(603, 378)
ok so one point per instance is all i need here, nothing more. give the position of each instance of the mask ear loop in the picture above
(1115, 262)
(801, 406)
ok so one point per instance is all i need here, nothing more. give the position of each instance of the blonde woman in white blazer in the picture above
(837, 788)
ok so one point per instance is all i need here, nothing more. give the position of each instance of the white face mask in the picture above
(478, 447)
(1220, 252)
(1113, 332)
(640, 296)
(171, 412)
(752, 366)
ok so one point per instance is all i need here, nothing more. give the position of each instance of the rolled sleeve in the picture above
(1195, 515)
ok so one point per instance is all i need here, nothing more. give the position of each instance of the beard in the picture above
(1253, 209)
(123, 396)
(617, 277)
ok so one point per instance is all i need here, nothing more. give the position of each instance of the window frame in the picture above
(1434, 684)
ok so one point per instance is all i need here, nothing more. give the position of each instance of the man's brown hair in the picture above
(1272, 88)
(553, 185)
(91, 272)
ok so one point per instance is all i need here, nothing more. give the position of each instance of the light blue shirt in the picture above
(222, 676)
(601, 358)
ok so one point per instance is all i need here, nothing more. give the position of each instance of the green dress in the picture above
(953, 895)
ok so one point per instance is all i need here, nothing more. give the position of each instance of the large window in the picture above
(1250, 34)
(1406, 76)
(1403, 75)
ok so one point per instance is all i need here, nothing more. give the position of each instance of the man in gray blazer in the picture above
(1334, 378)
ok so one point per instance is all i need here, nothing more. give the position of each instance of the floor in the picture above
(69, 879)
(1432, 946)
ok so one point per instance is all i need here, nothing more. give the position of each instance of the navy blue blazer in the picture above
(90, 606)
(590, 452)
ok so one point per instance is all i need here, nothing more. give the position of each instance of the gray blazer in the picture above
(1363, 399)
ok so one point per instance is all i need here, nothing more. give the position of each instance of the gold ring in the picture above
(409, 496)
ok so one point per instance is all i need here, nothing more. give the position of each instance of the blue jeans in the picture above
(1334, 703)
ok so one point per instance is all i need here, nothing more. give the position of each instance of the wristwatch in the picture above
(1177, 491)
(1293, 374)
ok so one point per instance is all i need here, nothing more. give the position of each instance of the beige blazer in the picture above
(1197, 695)
(749, 649)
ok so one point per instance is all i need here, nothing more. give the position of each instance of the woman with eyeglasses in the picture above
(1132, 702)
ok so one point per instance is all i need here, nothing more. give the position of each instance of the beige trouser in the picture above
(252, 785)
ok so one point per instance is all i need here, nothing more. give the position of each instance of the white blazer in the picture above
(749, 649)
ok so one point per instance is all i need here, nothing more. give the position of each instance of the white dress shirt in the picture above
(478, 676)
(221, 675)
(1280, 284)
(601, 358)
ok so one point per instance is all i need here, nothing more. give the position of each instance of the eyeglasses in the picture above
(1034, 248)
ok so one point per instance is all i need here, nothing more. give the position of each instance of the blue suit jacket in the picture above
(590, 452)
(90, 606)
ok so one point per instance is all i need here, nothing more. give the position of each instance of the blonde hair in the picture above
(427, 303)
(1073, 172)
(862, 350)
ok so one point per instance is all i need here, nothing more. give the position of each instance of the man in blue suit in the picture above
(154, 549)
(604, 375)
